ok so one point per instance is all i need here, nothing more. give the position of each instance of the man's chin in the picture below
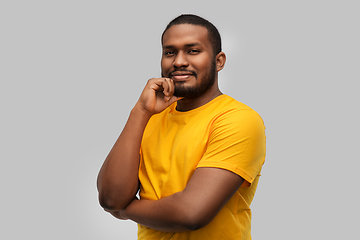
(186, 92)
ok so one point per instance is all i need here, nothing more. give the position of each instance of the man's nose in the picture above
(181, 60)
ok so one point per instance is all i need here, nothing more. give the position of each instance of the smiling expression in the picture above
(188, 60)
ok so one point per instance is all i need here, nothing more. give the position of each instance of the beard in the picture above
(191, 92)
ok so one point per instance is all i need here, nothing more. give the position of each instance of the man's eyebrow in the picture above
(186, 45)
(192, 44)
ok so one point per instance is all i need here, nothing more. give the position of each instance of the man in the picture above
(201, 151)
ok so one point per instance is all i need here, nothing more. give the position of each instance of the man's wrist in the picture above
(140, 111)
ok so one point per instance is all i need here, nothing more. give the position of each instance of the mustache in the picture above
(181, 70)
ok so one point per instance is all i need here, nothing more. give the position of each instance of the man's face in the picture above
(188, 59)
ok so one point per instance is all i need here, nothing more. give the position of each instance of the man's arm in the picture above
(206, 193)
(118, 177)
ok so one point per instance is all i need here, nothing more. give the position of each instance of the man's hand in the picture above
(157, 95)
(118, 214)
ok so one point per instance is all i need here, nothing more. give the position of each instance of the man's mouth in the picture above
(181, 75)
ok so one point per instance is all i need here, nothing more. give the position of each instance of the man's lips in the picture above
(181, 75)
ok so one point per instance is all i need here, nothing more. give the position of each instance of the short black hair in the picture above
(213, 33)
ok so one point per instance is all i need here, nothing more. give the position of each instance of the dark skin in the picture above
(187, 47)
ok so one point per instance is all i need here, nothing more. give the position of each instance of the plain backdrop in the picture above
(71, 71)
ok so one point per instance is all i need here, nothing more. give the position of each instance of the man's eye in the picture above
(169, 53)
(194, 51)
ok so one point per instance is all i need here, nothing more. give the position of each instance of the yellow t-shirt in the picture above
(223, 133)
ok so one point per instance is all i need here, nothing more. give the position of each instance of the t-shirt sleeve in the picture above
(237, 143)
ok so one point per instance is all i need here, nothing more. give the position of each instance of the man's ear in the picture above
(220, 61)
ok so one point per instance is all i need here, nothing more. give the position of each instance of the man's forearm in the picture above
(166, 214)
(118, 177)
(205, 195)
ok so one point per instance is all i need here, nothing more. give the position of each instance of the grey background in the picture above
(71, 71)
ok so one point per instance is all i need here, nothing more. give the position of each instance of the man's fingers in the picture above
(157, 95)
(174, 99)
(168, 86)
(172, 87)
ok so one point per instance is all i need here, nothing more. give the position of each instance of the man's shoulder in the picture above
(230, 109)
(231, 102)
(227, 104)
